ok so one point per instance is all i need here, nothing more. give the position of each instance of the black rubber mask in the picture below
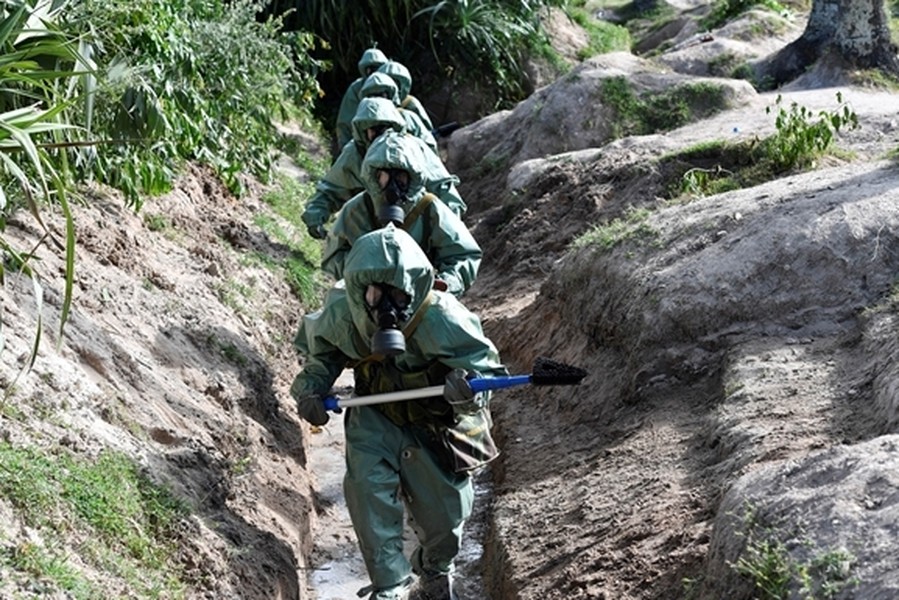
(396, 192)
(373, 132)
(387, 307)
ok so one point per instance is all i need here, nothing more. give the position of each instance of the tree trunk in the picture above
(853, 32)
(863, 35)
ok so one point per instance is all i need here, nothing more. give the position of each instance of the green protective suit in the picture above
(445, 239)
(344, 179)
(382, 85)
(403, 78)
(369, 63)
(390, 464)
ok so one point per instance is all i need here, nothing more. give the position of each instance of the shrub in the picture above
(802, 136)
(38, 62)
(188, 80)
(481, 42)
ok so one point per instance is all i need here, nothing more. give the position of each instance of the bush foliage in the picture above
(188, 80)
(123, 92)
(474, 41)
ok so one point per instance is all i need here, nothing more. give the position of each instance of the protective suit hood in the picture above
(373, 112)
(371, 58)
(387, 256)
(380, 85)
(400, 74)
(395, 151)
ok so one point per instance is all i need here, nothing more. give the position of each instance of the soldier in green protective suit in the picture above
(394, 171)
(371, 60)
(408, 457)
(403, 78)
(382, 85)
(344, 179)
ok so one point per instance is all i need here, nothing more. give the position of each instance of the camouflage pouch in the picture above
(382, 376)
(468, 444)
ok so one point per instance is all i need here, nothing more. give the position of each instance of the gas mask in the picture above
(395, 185)
(374, 131)
(387, 306)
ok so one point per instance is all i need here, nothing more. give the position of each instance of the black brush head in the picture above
(550, 372)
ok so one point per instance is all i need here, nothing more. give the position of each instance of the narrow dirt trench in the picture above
(698, 374)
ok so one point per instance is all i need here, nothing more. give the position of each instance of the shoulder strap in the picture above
(352, 364)
(419, 208)
(413, 323)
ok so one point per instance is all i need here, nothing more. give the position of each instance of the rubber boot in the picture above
(431, 585)
(397, 592)
(434, 587)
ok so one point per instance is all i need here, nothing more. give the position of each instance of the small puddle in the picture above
(469, 579)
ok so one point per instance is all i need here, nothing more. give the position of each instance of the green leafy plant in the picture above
(604, 36)
(606, 236)
(150, 85)
(156, 222)
(640, 114)
(707, 182)
(726, 10)
(229, 351)
(38, 64)
(476, 43)
(727, 64)
(779, 571)
(802, 136)
(301, 264)
(767, 564)
(233, 294)
(48, 564)
(185, 80)
(485, 35)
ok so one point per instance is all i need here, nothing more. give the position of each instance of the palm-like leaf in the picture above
(481, 33)
(466, 37)
(34, 58)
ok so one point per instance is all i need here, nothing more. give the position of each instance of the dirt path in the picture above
(178, 353)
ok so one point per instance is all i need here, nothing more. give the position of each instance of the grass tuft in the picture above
(301, 264)
(605, 237)
(105, 511)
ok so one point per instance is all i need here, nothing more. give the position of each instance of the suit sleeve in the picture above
(455, 254)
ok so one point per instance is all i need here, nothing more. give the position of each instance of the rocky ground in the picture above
(741, 351)
(741, 348)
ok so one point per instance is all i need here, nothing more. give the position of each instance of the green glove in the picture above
(460, 395)
(317, 231)
(315, 222)
(312, 408)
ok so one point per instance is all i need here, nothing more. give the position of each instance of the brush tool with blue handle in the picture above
(546, 372)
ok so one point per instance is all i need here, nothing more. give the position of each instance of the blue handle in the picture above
(482, 384)
(331, 403)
